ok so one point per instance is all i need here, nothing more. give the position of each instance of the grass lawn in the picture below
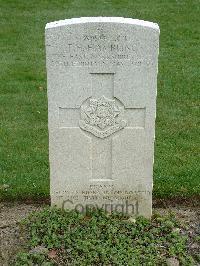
(24, 163)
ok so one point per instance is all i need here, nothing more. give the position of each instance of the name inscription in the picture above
(101, 50)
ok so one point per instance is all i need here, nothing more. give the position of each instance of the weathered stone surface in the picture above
(102, 77)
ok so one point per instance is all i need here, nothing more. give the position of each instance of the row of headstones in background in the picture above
(102, 79)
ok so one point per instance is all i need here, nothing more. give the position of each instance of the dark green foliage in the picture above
(103, 239)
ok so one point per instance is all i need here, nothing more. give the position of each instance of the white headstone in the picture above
(102, 79)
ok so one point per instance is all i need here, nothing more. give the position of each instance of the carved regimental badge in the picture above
(102, 117)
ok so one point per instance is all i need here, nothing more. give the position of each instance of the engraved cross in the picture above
(102, 115)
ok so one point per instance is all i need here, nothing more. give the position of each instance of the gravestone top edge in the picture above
(119, 20)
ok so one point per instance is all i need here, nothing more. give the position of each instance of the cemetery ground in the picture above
(55, 237)
(24, 136)
(24, 167)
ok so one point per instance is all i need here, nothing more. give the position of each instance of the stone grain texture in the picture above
(102, 80)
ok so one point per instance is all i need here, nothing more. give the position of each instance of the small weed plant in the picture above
(58, 237)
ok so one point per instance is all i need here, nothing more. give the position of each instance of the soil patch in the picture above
(11, 240)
